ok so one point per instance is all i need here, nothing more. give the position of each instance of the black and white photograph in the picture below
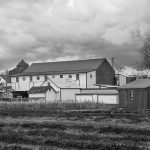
(74, 74)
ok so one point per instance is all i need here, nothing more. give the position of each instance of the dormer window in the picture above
(38, 77)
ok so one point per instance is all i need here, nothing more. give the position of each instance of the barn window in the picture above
(90, 76)
(45, 77)
(38, 77)
(131, 94)
(23, 78)
(77, 76)
(30, 78)
(70, 76)
(61, 76)
(17, 79)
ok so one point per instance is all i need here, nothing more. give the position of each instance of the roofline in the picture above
(133, 88)
(55, 73)
(3, 78)
(96, 94)
(69, 60)
(71, 88)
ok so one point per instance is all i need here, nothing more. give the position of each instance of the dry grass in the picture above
(74, 130)
(71, 126)
(45, 108)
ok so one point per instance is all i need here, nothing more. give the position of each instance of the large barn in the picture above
(85, 73)
(135, 95)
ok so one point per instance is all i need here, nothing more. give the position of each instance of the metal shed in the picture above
(135, 95)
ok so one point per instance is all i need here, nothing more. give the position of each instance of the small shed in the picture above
(135, 95)
(43, 92)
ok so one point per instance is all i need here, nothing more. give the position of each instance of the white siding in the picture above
(91, 81)
(84, 98)
(52, 96)
(24, 84)
(108, 99)
(82, 80)
(40, 95)
(104, 99)
(68, 94)
(13, 79)
(13, 82)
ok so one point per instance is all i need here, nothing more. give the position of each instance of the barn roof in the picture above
(36, 90)
(139, 83)
(6, 78)
(76, 66)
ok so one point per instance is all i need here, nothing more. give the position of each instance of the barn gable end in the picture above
(105, 74)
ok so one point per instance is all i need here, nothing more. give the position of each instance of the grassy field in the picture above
(68, 129)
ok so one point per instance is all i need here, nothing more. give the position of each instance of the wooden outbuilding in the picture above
(135, 95)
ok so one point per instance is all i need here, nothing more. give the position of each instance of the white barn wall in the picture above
(69, 94)
(108, 99)
(38, 95)
(52, 96)
(24, 84)
(91, 81)
(84, 98)
(82, 80)
(104, 99)
(13, 82)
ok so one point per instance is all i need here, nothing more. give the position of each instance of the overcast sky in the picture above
(49, 30)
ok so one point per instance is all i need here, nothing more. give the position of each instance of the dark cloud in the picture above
(47, 30)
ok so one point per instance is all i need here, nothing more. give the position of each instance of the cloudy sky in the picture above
(50, 30)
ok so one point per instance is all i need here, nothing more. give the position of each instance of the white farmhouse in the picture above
(83, 74)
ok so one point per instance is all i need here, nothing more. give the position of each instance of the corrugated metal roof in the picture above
(98, 92)
(139, 83)
(64, 67)
(36, 90)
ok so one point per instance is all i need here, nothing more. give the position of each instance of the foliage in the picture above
(145, 51)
